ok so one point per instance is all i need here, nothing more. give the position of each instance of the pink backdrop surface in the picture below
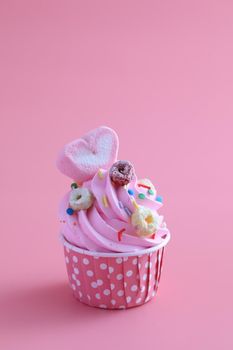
(160, 73)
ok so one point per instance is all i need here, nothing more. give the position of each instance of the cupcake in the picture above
(112, 234)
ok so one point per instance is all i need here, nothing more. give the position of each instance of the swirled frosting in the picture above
(106, 226)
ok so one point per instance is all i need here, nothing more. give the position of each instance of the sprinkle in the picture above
(74, 185)
(141, 196)
(128, 211)
(105, 201)
(100, 174)
(153, 236)
(70, 211)
(121, 205)
(151, 192)
(120, 233)
(145, 186)
(131, 192)
(159, 199)
(135, 204)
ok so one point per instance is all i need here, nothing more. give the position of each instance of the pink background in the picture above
(160, 73)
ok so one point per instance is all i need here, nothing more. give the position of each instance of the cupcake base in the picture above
(114, 280)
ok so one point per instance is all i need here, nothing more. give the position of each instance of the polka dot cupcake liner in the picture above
(114, 280)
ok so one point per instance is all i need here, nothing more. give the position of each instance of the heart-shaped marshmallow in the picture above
(82, 158)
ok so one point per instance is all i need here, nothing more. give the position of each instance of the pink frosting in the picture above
(97, 228)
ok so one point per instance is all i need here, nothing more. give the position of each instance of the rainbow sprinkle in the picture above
(135, 204)
(141, 196)
(145, 186)
(128, 211)
(120, 233)
(100, 174)
(121, 205)
(105, 201)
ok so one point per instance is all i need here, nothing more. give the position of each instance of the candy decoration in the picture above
(120, 233)
(121, 205)
(128, 211)
(135, 204)
(81, 158)
(151, 192)
(131, 192)
(141, 196)
(145, 221)
(74, 185)
(80, 198)
(159, 199)
(145, 186)
(70, 211)
(105, 201)
(121, 172)
(100, 174)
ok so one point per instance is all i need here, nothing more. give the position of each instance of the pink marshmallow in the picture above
(82, 158)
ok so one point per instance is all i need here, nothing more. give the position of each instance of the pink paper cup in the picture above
(114, 280)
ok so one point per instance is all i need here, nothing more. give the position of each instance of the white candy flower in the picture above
(145, 221)
(80, 198)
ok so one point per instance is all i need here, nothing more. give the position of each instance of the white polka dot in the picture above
(80, 294)
(103, 266)
(85, 261)
(113, 302)
(147, 264)
(138, 300)
(139, 265)
(94, 284)
(112, 286)
(73, 286)
(73, 276)
(147, 299)
(129, 273)
(97, 295)
(90, 273)
(78, 282)
(119, 276)
(100, 282)
(142, 289)
(134, 288)
(110, 269)
(106, 292)
(150, 277)
(120, 293)
(144, 277)
(128, 299)
(75, 259)
(125, 258)
(76, 270)
(121, 307)
(153, 294)
(118, 260)
(88, 297)
(67, 260)
(134, 262)
(102, 306)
